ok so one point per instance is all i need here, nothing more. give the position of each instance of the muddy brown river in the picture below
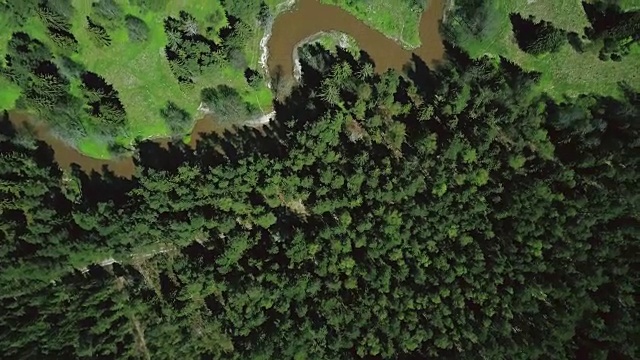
(309, 17)
(306, 18)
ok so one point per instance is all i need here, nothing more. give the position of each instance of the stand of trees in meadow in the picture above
(192, 50)
(454, 213)
(71, 99)
(612, 30)
(537, 37)
(76, 102)
(192, 47)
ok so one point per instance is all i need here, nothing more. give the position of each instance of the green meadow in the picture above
(566, 72)
(140, 72)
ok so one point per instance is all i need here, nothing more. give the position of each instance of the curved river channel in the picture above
(291, 28)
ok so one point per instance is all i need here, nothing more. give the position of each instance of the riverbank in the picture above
(310, 17)
(330, 40)
(312, 21)
(264, 41)
(397, 19)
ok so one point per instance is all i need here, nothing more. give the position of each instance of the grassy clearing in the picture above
(567, 15)
(394, 18)
(141, 73)
(566, 72)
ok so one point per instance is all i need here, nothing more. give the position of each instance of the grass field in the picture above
(140, 72)
(567, 15)
(393, 18)
(566, 72)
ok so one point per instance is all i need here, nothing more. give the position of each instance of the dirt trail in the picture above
(140, 341)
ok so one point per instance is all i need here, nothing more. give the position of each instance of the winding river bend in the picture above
(309, 17)
(306, 18)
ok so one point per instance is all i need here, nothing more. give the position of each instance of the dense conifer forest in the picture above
(384, 215)
(449, 212)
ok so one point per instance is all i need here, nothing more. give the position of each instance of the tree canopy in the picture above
(380, 216)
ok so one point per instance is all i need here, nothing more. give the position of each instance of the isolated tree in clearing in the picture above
(537, 37)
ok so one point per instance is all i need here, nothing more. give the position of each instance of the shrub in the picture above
(177, 118)
(226, 104)
(108, 11)
(137, 29)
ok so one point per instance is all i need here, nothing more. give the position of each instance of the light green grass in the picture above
(566, 72)
(96, 148)
(9, 93)
(394, 18)
(629, 4)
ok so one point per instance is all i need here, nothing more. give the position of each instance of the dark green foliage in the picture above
(178, 119)
(226, 104)
(470, 14)
(615, 29)
(103, 105)
(69, 68)
(137, 28)
(418, 4)
(18, 12)
(98, 33)
(401, 219)
(235, 38)
(46, 90)
(108, 12)
(537, 37)
(56, 14)
(29, 64)
(62, 7)
(63, 39)
(452, 213)
(237, 59)
(253, 77)
(264, 15)
(191, 48)
(246, 11)
(188, 51)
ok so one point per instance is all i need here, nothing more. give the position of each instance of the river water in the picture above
(66, 155)
(307, 18)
